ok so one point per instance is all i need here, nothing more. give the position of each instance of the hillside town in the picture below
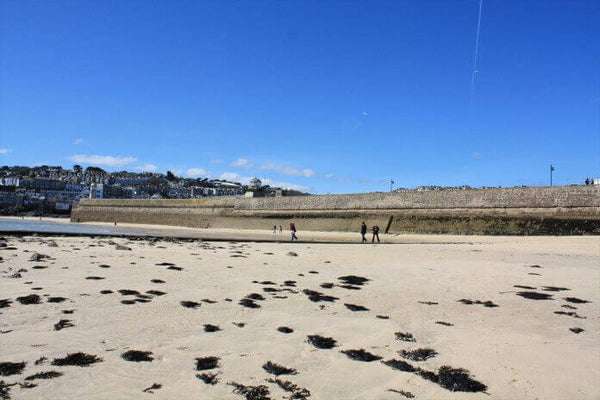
(54, 189)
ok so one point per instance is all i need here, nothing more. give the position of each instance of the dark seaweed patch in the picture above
(321, 342)
(77, 359)
(104, 266)
(570, 314)
(157, 281)
(350, 287)
(276, 369)
(129, 292)
(165, 264)
(31, 299)
(128, 302)
(285, 329)
(354, 307)
(239, 324)
(535, 295)
(554, 288)
(289, 283)
(189, 304)
(382, 316)
(260, 392)
(5, 387)
(487, 303)
(156, 292)
(211, 328)
(354, 280)
(569, 307)
(429, 303)
(208, 378)
(11, 368)
(94, 278)
(418, 354)
(5, 303)
(400, 365)
(444, 323)
(533, 273)
(255, 296)
(62, 324)
(267, 283)
(298, 393)
(205, 363)
(173, 268)
(316, 297)
(360, 355)
(44, 375)
(458, 380)
(208, 301)
(576, 330)
(405, 337)
(524, 287)
(151, 388)
(535, 266)
(270, 290)
(326, 285)
(137, 356)
(408, 395)
(39, 267)
(571, 300)
(56, 299)
(249, 303)
(313, 272)
(68, 311)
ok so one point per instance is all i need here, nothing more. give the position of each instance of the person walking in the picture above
(363, 231)
(293, 230)
(375, 234)
(274, 229)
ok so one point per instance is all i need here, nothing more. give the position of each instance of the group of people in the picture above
(292, 230)
(363, 232)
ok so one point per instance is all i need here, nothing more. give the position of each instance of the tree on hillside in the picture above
(77, 168)
(171, 177)
(96, 170)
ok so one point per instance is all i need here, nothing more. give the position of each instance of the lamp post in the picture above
(551, 170)
(391, 184)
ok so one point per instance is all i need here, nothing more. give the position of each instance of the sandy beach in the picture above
(422, 316)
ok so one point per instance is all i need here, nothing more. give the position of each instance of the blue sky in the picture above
(329, 97)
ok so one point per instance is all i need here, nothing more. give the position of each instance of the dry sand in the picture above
(520, 349)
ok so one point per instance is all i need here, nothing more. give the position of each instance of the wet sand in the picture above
(439, 317)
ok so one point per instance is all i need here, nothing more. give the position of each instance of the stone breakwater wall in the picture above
(540, 210)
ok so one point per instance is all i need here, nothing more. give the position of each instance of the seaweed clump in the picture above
(316, 297)
(360, 355)
(31, 299)
(354, 307)
(285, 329)
(44, 375)
(535, 295)
(76, 359)
(405, 337)
(296, 391)
(205, 363)
(321, 342)
(10, 368)
(137, 356)
(62, 324)
(259, 392)
(458, 380)
(354, 280)
(276, 369)
(418, 354)
(211, 328)
(208, 378)
(189, 304)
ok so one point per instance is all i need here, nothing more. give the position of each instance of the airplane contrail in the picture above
(476, 55)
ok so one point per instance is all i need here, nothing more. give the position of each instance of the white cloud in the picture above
(241, 163)
(5, 151)
(291, 171)
(78, 141)
(112, 161)
(197, 172)
(217, 161)
(476, 155)
(146, 168)
(235, 177)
